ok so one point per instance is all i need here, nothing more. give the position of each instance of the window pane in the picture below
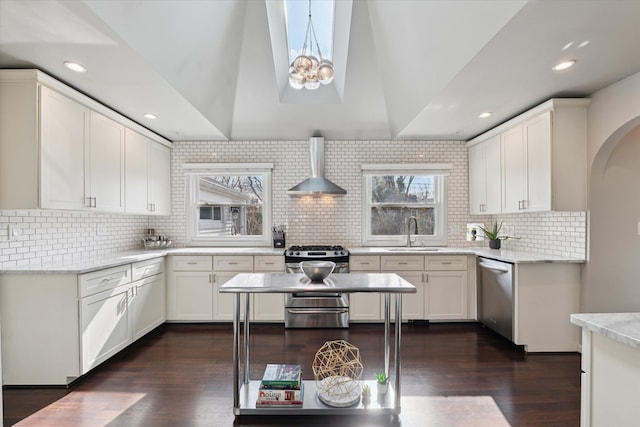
(392, 221)
(403, 189)
(237, 205)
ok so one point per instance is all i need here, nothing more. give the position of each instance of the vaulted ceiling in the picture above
(405, 69)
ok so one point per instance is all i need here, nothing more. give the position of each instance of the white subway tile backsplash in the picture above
(48, 236)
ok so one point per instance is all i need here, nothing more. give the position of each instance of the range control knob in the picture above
(336, 253)
(297, 253)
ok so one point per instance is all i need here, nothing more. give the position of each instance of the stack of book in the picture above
(281, 385)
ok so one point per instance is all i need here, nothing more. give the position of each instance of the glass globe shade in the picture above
(296, 80)
(314, 62)
(325, 72)
(312, 82)
(302, 64)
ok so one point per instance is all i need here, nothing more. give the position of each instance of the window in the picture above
(297, 18)
(395, 193)
(228, 204)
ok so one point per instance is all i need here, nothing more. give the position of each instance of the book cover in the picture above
(270, 395)
(276, 374)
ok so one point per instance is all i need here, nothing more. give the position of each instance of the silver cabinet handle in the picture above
(426, 275)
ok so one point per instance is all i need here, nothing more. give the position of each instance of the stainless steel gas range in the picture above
(313, 310)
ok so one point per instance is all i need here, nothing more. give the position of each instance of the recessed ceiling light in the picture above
(484, 115)
(564, 65)
(74, 66)
(567, 46)
(150, 116)
(583, 44)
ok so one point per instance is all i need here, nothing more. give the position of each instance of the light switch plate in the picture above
(13, 232)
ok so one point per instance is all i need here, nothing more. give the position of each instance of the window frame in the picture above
(440, 171)
(192, 173)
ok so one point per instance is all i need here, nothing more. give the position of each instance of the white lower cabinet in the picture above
(105, 325)
(112, 319)
(268, 307)
(364, 306)
(441, 285)
(104, 311)
(194, 283)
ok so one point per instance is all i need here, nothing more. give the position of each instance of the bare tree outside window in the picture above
(395, 198)
(238, 198)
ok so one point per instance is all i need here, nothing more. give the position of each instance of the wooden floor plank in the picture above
(181, 375)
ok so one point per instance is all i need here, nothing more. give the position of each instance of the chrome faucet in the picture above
(415, 220)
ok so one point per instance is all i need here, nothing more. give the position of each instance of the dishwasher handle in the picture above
(493, 267)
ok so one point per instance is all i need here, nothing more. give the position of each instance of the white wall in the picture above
(610, 280)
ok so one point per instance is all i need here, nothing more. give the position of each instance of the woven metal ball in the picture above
(337, 368)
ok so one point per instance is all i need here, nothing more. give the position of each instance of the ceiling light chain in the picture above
(307, 71)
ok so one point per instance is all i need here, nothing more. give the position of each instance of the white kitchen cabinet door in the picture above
(63, 131)
(493, 176)
(514, 170)
(365, 306)
(223, 302)
(446, 295)
(106, 167)
(105, 325)
(477, 179)
(159, 179)
(412, 304)
(268, 307)
(136, 172)
(190, 295)
(147, 305)
(537, 135)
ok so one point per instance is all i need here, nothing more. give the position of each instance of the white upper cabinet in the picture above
(106, 164)
(485, 177)
(62, 150)
(147, 175)
(543, 160)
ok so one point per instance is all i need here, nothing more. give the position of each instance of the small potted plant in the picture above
(493, 234)
(382, 382)
(366, 395)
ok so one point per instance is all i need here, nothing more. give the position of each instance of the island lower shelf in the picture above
(312, 405)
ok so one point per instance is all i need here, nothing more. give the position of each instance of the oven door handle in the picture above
(323, 311)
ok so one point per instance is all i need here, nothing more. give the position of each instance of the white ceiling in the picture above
(410, 69)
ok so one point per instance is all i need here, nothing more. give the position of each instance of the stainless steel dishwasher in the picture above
(495, 302)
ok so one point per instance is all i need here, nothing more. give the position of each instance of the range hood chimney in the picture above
(317, 184)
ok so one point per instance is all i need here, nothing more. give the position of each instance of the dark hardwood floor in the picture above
(181, 375)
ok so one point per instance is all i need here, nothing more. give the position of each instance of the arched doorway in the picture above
(611, 278)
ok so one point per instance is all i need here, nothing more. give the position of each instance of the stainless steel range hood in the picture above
(317, 184)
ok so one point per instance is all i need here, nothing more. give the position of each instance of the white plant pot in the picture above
(382, 388)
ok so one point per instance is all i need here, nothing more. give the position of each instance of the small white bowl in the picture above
(317, 271)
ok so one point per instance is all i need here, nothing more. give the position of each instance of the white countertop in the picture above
(498, 254)
(286, 283)
(621, 327)
(79, 266)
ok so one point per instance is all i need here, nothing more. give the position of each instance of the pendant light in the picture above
(309, 71)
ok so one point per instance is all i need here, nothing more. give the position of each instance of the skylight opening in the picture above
(296, 20)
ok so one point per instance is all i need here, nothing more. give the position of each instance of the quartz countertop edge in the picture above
(621, 327)
(92, 264)
(298, 282)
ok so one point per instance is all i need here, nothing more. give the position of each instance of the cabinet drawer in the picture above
(102, 280)
(147, 268)
(192, 263)
(441, 262)
(402, 262)
(233, 263)
(268, 263)
(364, 263)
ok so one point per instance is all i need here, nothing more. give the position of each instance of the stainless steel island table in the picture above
(245, 393)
